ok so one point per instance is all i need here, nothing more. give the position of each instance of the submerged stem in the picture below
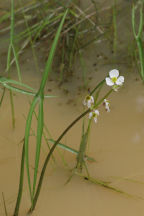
(82, 149)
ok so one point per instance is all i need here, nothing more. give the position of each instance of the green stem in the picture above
(73, 151)
(12, 23)
(101, 83)
(85, 135)
(12, 109)
(82, 149)
(16, 211)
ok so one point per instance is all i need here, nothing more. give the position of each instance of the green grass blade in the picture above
(17, 63)
(2, 97)
(45, 136)
(69, 149)
(24, 91)
(12, 23)
(82, 150)
(52, 52)
(43, 82)
(12, 108)
(38, 146)
(4, 17)
(4, 80)
(11, 46)
(19, 90)
(16, 211)
(26, 143)
(99, 84)
(8, 58)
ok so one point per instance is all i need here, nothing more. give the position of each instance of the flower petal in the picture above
(92, 99)
(96, 112)
(109, 81)
(114, 73)
(88, 101)
(120, 80)
(89, 104)
(105, 100)
(90, 115)
(107, 108)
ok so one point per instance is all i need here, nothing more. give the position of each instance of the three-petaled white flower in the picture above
(94, 114)
(114, 79)
(88, 101)
(107, 105)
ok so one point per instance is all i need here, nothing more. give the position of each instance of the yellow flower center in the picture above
(94, 115)
(88, 98)
(114, 79)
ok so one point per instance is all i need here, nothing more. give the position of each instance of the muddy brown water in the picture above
(116, 142)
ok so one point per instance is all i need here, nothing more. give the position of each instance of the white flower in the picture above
(94, 114)
(114, 79)
(88, 101)
(107, 105)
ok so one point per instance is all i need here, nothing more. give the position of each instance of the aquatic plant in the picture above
(114, 81)
(83, 142)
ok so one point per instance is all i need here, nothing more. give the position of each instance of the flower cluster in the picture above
(89, 102)
(115, 81)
